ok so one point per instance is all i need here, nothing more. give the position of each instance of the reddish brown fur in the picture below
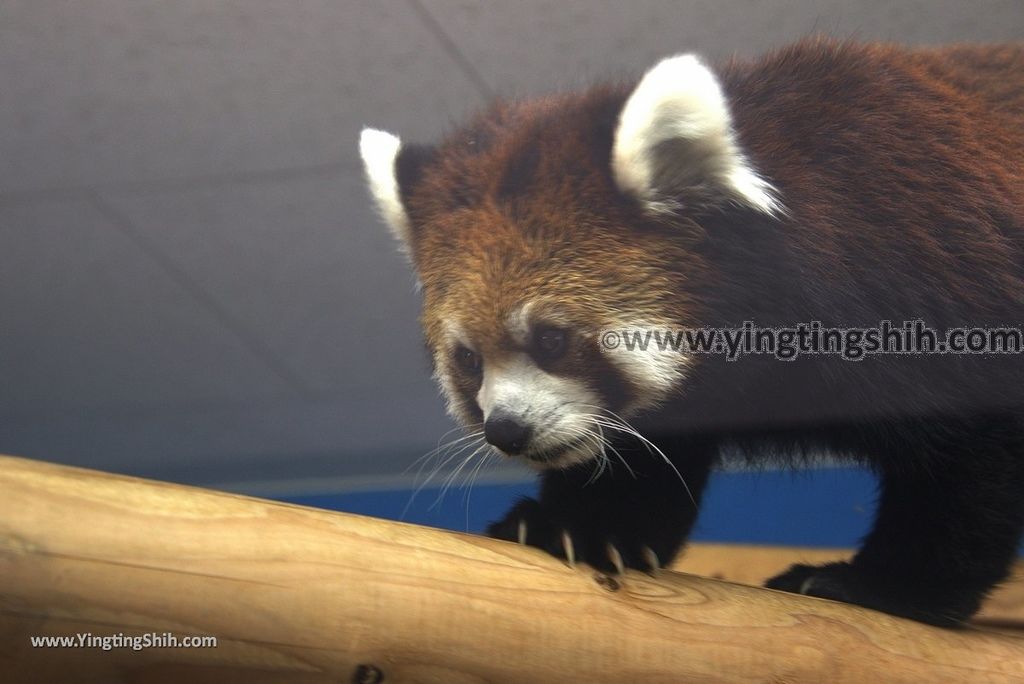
(481, 256)
(940, 205)
(902, 173)
(904, 154)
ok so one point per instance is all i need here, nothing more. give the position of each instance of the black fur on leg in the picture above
(950, 516)
(641, 508)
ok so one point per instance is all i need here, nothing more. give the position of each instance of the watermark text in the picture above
(789, 342)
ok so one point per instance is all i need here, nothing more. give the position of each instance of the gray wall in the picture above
(192, 283)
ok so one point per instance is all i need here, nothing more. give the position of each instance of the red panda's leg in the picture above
(635, 514)
(949, 521)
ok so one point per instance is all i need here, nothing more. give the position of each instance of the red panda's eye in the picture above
(467, 359)
(550, 343)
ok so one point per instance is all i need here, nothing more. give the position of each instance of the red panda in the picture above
(834, 182)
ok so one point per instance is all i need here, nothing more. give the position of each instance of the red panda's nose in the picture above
(506, 433)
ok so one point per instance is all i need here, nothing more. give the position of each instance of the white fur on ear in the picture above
(679, 99)
(379, 150)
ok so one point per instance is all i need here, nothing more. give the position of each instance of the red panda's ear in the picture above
(675, 146)
(391, 171)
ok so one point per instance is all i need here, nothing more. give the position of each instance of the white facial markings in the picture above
(443, 376)
(654, 372)
(551, 405)
(379, 151)
(576, 455)
(563, 412)
(453, 336)
(681, 99)
(518, 323)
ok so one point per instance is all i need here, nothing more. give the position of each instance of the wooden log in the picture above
(296, 594)
(753, 564)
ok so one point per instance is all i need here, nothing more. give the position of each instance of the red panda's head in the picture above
(545, 223)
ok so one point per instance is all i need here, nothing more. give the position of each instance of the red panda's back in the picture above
(899, 168)
(993, 73)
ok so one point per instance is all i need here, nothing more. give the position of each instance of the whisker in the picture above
(451, 478)
(442, 452)
(617, 422)
(587, 434)
(441, 447)
(472, 480)
(443, 459)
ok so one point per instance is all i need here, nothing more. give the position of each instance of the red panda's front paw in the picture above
(834, 581)
(847, 583)
(530, 523)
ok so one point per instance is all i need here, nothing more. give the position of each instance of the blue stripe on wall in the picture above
(819, 507)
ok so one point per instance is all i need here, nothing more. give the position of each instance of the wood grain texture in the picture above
(296, 594)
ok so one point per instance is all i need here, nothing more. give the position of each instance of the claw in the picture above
(651, 558)
(570, 552)
(522, 531)
(616, 558)
(806, 585)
